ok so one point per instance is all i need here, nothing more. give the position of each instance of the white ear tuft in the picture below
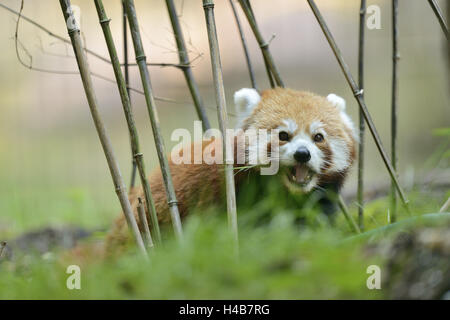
(245, 100)
(337, 101)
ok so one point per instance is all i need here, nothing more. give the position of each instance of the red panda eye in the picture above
(318, 137)
(283, 136)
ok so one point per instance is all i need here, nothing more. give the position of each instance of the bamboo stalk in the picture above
(146, 235)
(128, 112)
(244, 46)
(445, 206)
(184, 60)
(359, 98)
(362, 127)
(127, 82)
(208, 6)
(347, 215)
(151, 107)
(437, 11)
(394, 106)
(271, 68)
(119, 185)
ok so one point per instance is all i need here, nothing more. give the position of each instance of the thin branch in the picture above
(362, 127)
(30, 66)
(184, 60)
(119, 185)
(272, 71)
(151, 107)
(127, 83)
(91, 52)
(437, 11)
(445, 206)
(208, 6)
(347, 215)
(244, 46)
(394, 106)
(360, 99)
(146, 235)
(137, 156)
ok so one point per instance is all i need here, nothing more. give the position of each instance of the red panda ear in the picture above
(245, 100)
(337, 101)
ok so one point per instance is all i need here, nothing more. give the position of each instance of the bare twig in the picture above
(347, 215)
(127, 83)
(64, 72)
(271, 68)
(146, 235)
(244, 46)
(362, 127)
(394, 106)
(151, 107)
(184, 60)
(119, 185)
(360, 99)
(437, 11)
(91, 52)
(138, 157)
(208, 6)
(445, 206)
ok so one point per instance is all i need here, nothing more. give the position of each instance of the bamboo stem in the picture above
(244, 46)
(138, 158)
(127, 83)
(437, 11)
(146, 235)
(347, 215)
(151, 107)
(359, 98)
(394, 106)
(119, 185)
(445, 206)
(208, 6)
(271, 68)
(184, 60)
(362, 127)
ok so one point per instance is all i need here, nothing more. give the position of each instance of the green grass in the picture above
(278, 260)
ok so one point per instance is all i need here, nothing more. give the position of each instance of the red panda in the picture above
(317, 146)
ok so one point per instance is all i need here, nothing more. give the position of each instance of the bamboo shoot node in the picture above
(103, 21)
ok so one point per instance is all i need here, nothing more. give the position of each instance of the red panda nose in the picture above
(302, 155)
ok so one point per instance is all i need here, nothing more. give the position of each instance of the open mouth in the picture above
(300, 174)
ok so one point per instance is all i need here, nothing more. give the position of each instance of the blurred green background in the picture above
(52, 169)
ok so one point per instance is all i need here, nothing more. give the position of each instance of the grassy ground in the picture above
(276, 261)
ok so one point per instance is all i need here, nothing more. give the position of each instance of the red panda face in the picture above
(315, 137)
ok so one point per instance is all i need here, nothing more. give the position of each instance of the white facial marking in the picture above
(301, 140)
(340, 154)
(291, 126)
(317, 127)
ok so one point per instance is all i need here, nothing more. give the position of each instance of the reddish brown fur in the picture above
(199, 185)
